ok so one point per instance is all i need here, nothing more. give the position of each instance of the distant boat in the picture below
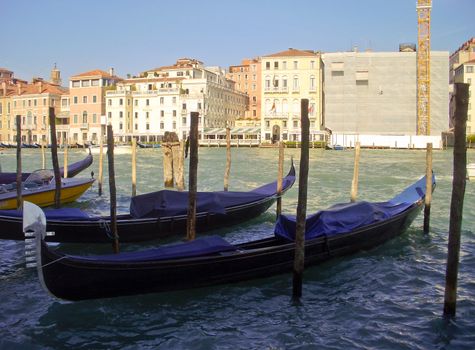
(338, 231)
(335, 147)
(40, 187)
(148, 145)
(471, 171)
(118, 149)
(73, 170)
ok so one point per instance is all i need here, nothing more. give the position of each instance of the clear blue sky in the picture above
(136, 35)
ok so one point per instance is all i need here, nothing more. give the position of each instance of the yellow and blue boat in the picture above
(40, 187)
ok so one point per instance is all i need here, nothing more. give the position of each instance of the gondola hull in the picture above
(75, 279)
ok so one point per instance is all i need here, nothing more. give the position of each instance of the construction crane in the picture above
(423, 67)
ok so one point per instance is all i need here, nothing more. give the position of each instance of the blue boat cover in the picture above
(66, 214)
(167, 203)
(198, 247)
(346, 217)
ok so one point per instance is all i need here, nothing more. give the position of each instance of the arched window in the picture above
(285, 107)
(84, 117)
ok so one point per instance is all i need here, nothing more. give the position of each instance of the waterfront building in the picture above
(286, 78)
(32, 101)
(465, 53)
(373, 96)
(85, 118)
(247, 77)
(161, 100)
(465, 73)
(6, 92)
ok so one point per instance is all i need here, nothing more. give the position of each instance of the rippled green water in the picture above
(390, 297)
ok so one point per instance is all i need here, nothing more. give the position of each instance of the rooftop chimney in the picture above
(18, 85)
(40, 86)
(4, 88)
(111, 71)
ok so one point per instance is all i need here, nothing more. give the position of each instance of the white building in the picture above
(162, 99)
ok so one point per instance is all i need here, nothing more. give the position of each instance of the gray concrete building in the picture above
(374, 93)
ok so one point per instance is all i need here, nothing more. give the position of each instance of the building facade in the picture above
(162, 99)
(465, 53)
(247, 77)
(465, 73)
(84, 113)
(374, 93)
(286, 78)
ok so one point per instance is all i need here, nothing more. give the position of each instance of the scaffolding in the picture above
(423, 67)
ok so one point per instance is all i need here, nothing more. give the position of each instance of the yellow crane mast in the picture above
(423, 67)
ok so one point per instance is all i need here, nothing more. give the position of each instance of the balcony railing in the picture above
(85, 126)
(276, 89)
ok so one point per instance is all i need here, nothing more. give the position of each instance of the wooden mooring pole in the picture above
(101, 163)
(43, 156)
(428, 197)
(19, 202)
(177, 165)
(112, 189)
(280, 174)
(193, 177)
(65, 159)
(299, 258)
(458, 192)
(228, 158)
(54, 157)
(354, 183)
(134, 167)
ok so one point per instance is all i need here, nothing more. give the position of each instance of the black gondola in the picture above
(343, 229)
(73, 170)
(153, 215)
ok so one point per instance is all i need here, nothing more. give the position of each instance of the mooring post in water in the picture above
(228, 158)
(193, 177)
(356, 170)
(177, 160)
(458, 192)
(134, 167)
(43, 156)
(65, 159)
(54, 157)
(280, 174)
(112, 189)
(101, 163)
(299, 258)
(169, 140)
(428, 196)
(19, 202)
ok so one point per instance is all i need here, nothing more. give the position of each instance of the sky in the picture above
(136, 35)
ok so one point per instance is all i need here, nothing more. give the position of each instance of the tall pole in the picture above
(456, 205)
(134, 167)
(101, 163)
(193, 177)
(65, 160)
(299, 258)
(228, 158)
(54, 156)
(43, 156)
(356, 171)
(19, 202)
(280, 175)
(112, 189)
(428, 196)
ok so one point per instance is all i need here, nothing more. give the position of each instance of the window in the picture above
(76, 83)
(312, 83)
(147, 126)
(84, 99)
(147, 114)
(85, 83)
(174, 100)
(296, 65)
(162, 100)
(254, 113)
(312, 64)
(162, 126)
(109, 102)
(267, 124)
(284, 123)
(94, 118)
(1, 109)
(44, 102)
(276, 65)
(183, 106)
(75, 118)
(183, 120)
(147, 102)
(469, 69)
(75, 136)
(296, 83)
(121, 102)
(84, 136)
(174, 113)
(174, 125)
(94, 99)
(136, 102)
(121, 114)
(284, 65)
(34, 102)
(199, 105)
(120, 126)
(84, 117)
(162, 113)
(267, 65)
(296, 123)
(136, 115)
(109, 115)
(136, 126)
(95, 82)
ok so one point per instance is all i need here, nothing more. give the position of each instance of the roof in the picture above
(95, 73)
(292, 52)
(46, 87)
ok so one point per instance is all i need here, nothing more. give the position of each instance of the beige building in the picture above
(286, 78)
(85, 119)
(465, 73)
(464, 53)
(247, 77)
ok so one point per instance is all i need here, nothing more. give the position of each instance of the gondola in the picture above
(73, 170)
(153, 215)
(341, 230)
(148, 145)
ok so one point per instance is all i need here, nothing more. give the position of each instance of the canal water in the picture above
(390, 297)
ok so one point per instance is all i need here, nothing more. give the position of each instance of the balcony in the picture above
(84, 126)
(62, 127)
(184, 112)
(276, 89)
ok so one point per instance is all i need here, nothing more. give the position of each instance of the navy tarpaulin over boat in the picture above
(343, 218)
(173, 203)
(197, 247)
